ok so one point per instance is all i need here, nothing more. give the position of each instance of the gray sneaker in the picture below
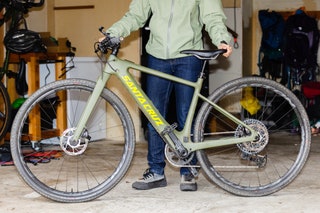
(188, 183)
(150, 180)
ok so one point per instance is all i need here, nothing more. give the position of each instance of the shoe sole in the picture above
(188, 187)
(151, 185)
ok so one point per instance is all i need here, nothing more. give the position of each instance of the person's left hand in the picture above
(227, 47)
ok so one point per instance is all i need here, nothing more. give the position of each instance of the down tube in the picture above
(144, 103)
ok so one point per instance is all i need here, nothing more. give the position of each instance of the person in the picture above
(175, 25)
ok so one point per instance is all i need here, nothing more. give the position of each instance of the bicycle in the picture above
(5, 110)
(245, 154)
(14, 12)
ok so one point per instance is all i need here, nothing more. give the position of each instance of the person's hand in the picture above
(227, 47)
(101, 39)
(113, 39)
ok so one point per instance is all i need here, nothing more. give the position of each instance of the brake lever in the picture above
(103, 32)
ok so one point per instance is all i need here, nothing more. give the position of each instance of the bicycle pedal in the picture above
(193, 169)
(169, 129)
(174, 126)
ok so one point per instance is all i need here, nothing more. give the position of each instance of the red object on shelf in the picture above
(311, 89)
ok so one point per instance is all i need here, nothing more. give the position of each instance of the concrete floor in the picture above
(303, 195)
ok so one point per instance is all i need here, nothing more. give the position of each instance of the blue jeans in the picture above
(159, 91)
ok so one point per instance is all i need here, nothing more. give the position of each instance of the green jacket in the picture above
(175, 25)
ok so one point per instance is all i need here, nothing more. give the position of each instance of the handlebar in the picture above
(108, 43)
(20, 5)
(24, 5)
(31, 3)
(15, 9)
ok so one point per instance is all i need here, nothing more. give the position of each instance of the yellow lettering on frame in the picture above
(135, 91)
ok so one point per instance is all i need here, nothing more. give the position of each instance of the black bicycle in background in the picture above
(16, 41)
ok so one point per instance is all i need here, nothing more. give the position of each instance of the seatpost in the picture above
(203, 68)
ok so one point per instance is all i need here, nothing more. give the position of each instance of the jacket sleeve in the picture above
(135, 18)
(213, 17)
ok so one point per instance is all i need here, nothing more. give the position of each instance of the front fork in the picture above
(93, 99)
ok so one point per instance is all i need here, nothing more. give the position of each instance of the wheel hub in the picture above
(256, 146)
(70, 146)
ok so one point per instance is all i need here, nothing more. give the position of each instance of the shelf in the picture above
(286, 14)
(74, 7)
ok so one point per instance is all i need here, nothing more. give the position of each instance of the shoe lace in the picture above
(147, 174)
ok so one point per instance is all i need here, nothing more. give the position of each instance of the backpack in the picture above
(271, 53)
(301, 41)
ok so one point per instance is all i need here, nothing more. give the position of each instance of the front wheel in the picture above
(58, 167)
(272, 161)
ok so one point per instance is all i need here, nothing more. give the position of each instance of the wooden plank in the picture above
(286, 14)
(231, 3)
(62, 107)
(74, 7)
(34, 117)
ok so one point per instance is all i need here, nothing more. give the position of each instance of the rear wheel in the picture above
(62, 169)
(264, 166)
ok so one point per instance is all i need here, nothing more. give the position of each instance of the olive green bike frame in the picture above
(120, 68)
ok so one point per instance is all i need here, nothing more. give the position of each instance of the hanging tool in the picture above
(233, 32)
(235, 37)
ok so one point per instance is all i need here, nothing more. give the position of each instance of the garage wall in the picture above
(222, 69)
(106, 12)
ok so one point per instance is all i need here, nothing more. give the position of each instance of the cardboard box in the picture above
(53, 45)
(60, 48)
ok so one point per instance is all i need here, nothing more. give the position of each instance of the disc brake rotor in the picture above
(253, 147)
(70, 146)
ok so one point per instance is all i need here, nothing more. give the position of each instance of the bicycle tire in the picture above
(261, 167)
(5, 111)
(73, 172)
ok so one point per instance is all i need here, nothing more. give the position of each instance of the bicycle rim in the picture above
(60, 169)
(5, 111)
(262, 167)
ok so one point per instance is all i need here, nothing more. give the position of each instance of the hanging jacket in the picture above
(175, 25)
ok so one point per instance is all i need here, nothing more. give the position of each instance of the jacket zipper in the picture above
(169, 27)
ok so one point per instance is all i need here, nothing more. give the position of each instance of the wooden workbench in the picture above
(33, 61)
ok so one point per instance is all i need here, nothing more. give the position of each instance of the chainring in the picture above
(174, 160)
